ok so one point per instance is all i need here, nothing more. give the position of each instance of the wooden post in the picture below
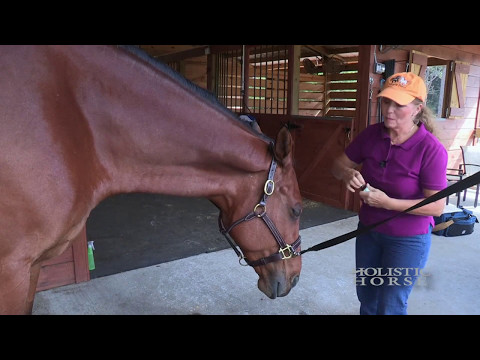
(365, 66)
(293, 79)
(360, 122)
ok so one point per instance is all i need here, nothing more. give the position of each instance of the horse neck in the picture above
(200, 159)
(153, 135)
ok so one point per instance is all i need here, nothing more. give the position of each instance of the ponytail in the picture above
(426, 117)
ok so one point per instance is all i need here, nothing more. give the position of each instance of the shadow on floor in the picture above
(132, 231)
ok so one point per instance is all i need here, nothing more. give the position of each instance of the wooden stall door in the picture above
(70, 267)
(317, 142)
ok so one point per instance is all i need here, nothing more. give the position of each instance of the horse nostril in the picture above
(297, 210)
(295, 280)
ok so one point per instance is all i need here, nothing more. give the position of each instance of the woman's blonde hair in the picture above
(425, 116)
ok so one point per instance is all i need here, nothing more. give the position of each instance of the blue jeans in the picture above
(387, 268)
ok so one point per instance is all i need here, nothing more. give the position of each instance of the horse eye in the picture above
(297, 210)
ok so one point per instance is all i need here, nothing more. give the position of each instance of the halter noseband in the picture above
(286, 251)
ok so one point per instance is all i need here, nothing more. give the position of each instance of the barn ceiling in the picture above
(468, 53)
(168, 53)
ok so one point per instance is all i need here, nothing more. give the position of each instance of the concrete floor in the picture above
(215, 284)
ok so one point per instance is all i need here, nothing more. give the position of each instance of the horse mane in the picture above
(205, 94)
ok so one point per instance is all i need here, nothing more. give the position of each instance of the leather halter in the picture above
(286, 251)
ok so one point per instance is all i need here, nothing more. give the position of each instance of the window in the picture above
(446, 83)
(436, 76)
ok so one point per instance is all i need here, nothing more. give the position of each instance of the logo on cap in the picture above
(400, 80)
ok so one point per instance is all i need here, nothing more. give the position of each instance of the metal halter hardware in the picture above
(286, 251)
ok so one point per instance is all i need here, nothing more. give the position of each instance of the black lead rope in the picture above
(452, 189)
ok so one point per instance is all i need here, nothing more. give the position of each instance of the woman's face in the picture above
(396, 116)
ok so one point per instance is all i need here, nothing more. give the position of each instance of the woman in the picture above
(402, 164)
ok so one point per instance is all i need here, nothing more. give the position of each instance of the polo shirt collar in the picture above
(412, 141)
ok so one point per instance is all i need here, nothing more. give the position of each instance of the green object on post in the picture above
(91, 260)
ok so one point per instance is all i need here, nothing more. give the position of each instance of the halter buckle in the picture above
(290, 250)
(269, 187)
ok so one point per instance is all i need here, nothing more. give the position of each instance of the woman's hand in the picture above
(353, 179)
(344, 169)
(375, 197)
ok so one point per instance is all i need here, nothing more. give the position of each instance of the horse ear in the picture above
(283, 145)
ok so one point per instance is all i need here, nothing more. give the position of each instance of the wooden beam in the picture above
(466, 53)
(360, 122)
(365, 63)
(185, 54)
(293, 79)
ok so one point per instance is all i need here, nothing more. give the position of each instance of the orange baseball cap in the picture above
(404, 87)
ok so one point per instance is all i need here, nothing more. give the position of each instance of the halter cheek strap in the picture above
(286, 251)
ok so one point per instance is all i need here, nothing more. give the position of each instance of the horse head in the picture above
(270, 246)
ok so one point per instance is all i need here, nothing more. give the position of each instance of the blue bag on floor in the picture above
(456, 223)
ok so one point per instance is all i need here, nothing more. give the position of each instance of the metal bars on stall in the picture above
(228, 84)
(261, 86)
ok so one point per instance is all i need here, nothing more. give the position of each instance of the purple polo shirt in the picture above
(401, 171)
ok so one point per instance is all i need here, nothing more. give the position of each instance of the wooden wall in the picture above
(454, 132)
(328, 94)
(401, 59)
(195, 69)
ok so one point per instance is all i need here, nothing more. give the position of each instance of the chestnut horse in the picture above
(81, 123)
